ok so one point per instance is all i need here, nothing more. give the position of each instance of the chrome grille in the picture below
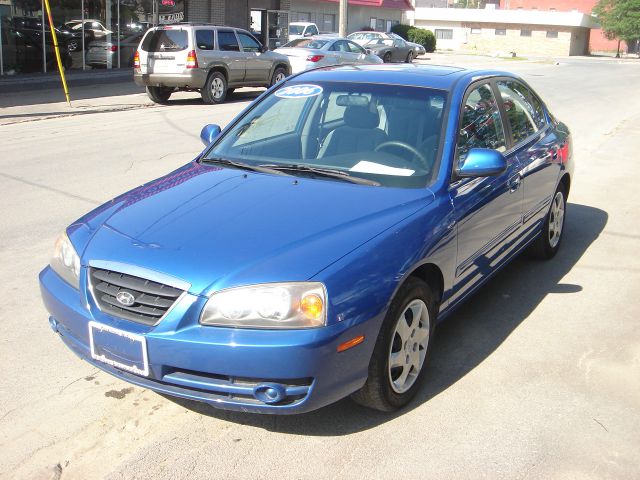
(151, 300)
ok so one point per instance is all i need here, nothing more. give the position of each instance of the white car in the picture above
(320, 51)
(302, 30)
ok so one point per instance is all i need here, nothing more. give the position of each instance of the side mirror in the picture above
(482, 162)
(209, 133)
(264, 49)
(308, 34)
(368, 51)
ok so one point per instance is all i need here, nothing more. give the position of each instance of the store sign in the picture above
(171, 17)
(168, 3)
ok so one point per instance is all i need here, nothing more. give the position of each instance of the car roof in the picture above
(432, 76)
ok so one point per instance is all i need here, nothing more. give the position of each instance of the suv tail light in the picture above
(192, 60)
(113, 48)
(314, 58)
(136, 60)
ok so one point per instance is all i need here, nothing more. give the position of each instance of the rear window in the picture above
(165, 41)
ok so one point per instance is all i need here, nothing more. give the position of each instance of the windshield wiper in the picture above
(322, 172)
(243, 166)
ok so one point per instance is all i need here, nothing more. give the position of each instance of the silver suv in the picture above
(212, 59)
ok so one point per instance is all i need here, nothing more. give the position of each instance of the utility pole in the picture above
(343, 18)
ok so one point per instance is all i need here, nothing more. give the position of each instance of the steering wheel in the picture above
(406, 146)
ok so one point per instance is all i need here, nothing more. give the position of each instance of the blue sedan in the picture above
(309, 251)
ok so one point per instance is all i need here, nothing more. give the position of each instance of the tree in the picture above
(619, 19)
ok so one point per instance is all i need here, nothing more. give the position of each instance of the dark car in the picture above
(24, 54)
(32, 27)
(310, 250)
(388, 46)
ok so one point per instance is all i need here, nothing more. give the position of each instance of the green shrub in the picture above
(402, 30)
(426, 38)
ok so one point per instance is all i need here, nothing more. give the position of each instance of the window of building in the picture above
(372, 22)
(552, 34)
(328, 23)
(444, 33)
(476, 31)
(501, 31)
(525, 32)
(300, 17)
(380, 25)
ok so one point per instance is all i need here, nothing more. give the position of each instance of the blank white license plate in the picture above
(118, 348)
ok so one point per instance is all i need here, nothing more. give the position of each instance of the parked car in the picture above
(417, 48)
(93, 30)
(306, 53)
(309, 251)
(32, 27)
(302, 30)
(212, 60)
(388, 47)
(100, 54)
(24, 54)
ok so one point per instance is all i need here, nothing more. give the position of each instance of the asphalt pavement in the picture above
(537, 377)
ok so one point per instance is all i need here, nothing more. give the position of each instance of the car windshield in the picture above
(296, 29)
(386, 134)
(306, 43)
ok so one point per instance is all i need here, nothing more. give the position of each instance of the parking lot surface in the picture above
(538, 376)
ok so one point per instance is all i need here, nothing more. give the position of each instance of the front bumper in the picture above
(224, 367)
(194, 78)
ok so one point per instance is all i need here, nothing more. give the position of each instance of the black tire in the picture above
(73, 45)
(378, 392)
(547, 244)
(159, 94)
(230, 91)
(215, 88)
(278, 75)
(410, 57)
(386, 58)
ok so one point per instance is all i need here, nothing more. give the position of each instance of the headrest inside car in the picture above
(361, 117)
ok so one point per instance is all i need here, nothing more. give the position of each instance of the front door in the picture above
(258, 66)
(488, 210)
(230, 54)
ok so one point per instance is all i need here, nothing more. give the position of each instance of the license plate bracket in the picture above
(118, 348)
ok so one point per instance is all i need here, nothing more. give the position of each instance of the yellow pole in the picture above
(55, 45)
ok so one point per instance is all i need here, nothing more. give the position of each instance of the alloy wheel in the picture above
(217, 88)
(556, 219)
(408, 347)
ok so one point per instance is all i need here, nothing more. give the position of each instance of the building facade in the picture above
(491, 30)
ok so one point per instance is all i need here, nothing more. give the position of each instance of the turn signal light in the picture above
(311, 306)
(351, 343)
(314, 58)
(192, 60)
(136, 60)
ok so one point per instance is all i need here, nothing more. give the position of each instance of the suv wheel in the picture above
(215, 88)
(278, 75)
(159, 94)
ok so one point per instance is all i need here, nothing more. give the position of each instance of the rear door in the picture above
(165, 50)
(258, 65)
(230, 54)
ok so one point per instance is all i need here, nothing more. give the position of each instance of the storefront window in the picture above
(91, 33)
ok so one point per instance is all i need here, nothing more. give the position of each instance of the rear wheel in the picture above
(386, 57)
(399, 356)
(159, 94)
(548, 242)
(215, 88)
(409, 57)
(278, 75)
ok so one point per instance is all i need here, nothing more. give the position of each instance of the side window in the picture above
(204, 39)
(249, 44)
(481, 125)
(533, 103)
(340, 46)
(355, 48)
(520, 112)
(227, 41)
(313, 30)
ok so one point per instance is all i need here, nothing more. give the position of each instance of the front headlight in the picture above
(273, 305)
(66, 262)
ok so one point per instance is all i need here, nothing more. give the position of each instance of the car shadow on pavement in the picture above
(462, 342)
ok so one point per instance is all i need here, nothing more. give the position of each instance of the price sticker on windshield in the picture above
(299, 91)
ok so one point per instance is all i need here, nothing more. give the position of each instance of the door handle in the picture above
(514, 183)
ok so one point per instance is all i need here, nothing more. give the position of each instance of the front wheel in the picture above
(215, 88)
(387, 57)
(278, 75)
(401, 351)
(548, 242)
(159, 94)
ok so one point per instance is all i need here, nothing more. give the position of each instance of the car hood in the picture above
(217, 227)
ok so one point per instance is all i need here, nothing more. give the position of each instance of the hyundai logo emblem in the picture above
(125, 298)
